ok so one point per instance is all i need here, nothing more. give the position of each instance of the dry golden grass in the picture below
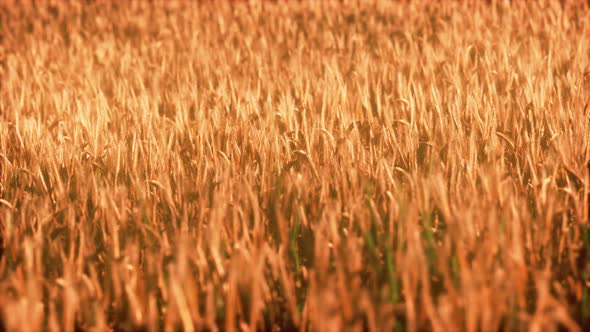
(366, 165)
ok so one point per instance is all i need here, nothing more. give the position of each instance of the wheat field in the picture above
(310, 165)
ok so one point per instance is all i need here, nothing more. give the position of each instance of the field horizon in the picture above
(312, 165)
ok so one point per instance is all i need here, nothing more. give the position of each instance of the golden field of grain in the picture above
(314, 165)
